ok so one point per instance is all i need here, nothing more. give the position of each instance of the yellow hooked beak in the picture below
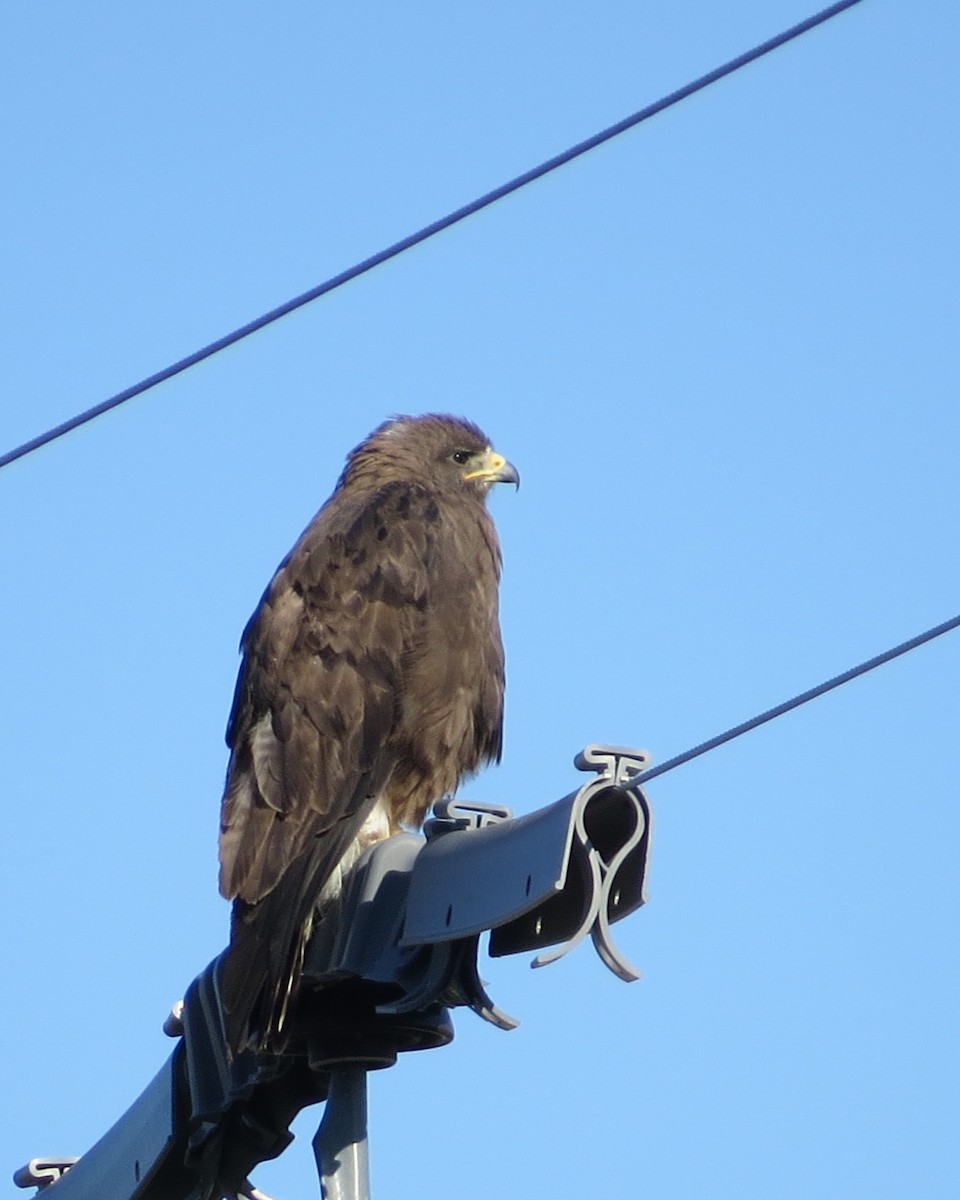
(491, 467)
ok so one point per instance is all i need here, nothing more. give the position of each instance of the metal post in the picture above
(340, 1144)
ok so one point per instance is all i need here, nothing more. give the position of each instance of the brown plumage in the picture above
(371, 683)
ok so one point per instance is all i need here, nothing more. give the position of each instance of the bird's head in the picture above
(441, 451)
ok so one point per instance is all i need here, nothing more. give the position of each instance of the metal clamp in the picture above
(41, 1172)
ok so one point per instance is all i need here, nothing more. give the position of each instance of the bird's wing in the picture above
(317, 694)
(310, 730)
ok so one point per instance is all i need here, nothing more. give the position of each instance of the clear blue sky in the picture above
(722, 351)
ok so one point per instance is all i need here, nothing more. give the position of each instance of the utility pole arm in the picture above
(383, 967)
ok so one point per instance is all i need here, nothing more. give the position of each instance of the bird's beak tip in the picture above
(509, 474)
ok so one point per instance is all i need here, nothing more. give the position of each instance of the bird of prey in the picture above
(371, 682)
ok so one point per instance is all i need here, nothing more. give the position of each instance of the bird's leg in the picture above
(340, 1144)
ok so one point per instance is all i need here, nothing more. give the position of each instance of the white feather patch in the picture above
(266, 753)
(374, 829)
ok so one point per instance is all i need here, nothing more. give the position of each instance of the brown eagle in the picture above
(372, 681)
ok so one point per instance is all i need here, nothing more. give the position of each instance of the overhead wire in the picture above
(803, 698)
(428, 231)
(453, 218)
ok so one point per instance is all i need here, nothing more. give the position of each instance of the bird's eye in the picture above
(461, 456)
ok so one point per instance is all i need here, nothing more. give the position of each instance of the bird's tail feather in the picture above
(268, 941)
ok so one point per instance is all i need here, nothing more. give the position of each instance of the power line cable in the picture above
(413, 239)
(803, 698)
